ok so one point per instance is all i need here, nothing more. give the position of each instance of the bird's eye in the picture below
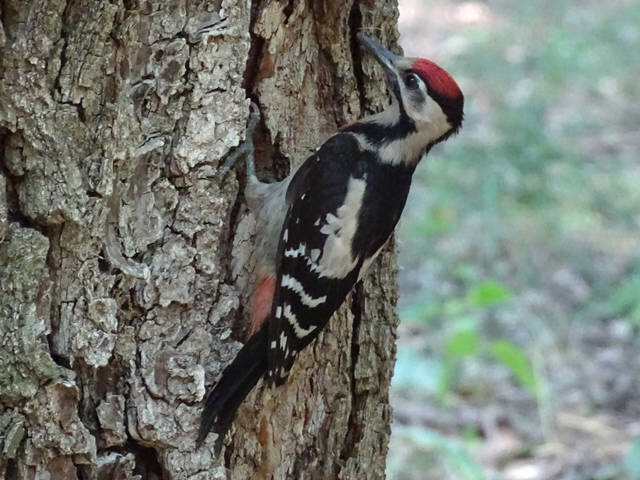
(411, 80)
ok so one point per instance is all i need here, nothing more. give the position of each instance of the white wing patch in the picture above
(336, 260)
(294, 285)
(296, 252)
(293, 321)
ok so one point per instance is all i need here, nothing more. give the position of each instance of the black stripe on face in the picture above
(378, 134)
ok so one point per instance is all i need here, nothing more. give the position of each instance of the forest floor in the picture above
(519, 345)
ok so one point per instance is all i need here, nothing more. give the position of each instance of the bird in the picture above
(321, 227)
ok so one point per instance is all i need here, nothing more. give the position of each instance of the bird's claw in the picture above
(245, 148)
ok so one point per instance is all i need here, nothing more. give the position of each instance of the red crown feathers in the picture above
(436, 78)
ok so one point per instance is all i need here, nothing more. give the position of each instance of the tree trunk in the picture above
(125, 256)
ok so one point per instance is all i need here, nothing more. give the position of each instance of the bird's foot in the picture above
(246, 148)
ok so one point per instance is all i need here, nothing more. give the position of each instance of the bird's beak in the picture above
(387, 59)
(384, 57)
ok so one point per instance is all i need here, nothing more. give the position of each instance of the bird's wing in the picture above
(317, 264)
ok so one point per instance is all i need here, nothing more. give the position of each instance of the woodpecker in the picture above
(322, 227)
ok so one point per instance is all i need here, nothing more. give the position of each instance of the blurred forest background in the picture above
(518, 353)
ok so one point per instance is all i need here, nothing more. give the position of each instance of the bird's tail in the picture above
(237, 380)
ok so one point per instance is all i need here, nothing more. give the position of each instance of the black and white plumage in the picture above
(339, 207)
(341, 212)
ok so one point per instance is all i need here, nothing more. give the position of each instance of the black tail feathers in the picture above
(237, 380)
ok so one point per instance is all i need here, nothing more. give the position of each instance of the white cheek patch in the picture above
(431, 123)
(432, 117)
(424, 111)
(415, 101)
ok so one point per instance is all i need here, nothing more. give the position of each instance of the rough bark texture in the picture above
(119, 299)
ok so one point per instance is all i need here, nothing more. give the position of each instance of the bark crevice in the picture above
(355, 26)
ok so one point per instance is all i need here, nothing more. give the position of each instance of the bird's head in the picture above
(424, 92)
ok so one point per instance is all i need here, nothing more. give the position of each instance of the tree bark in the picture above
(125, 256)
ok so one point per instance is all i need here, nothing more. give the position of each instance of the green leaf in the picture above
(632, 460)
(512, 357)
(489, 293)
(625, 300)
(463, 342)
